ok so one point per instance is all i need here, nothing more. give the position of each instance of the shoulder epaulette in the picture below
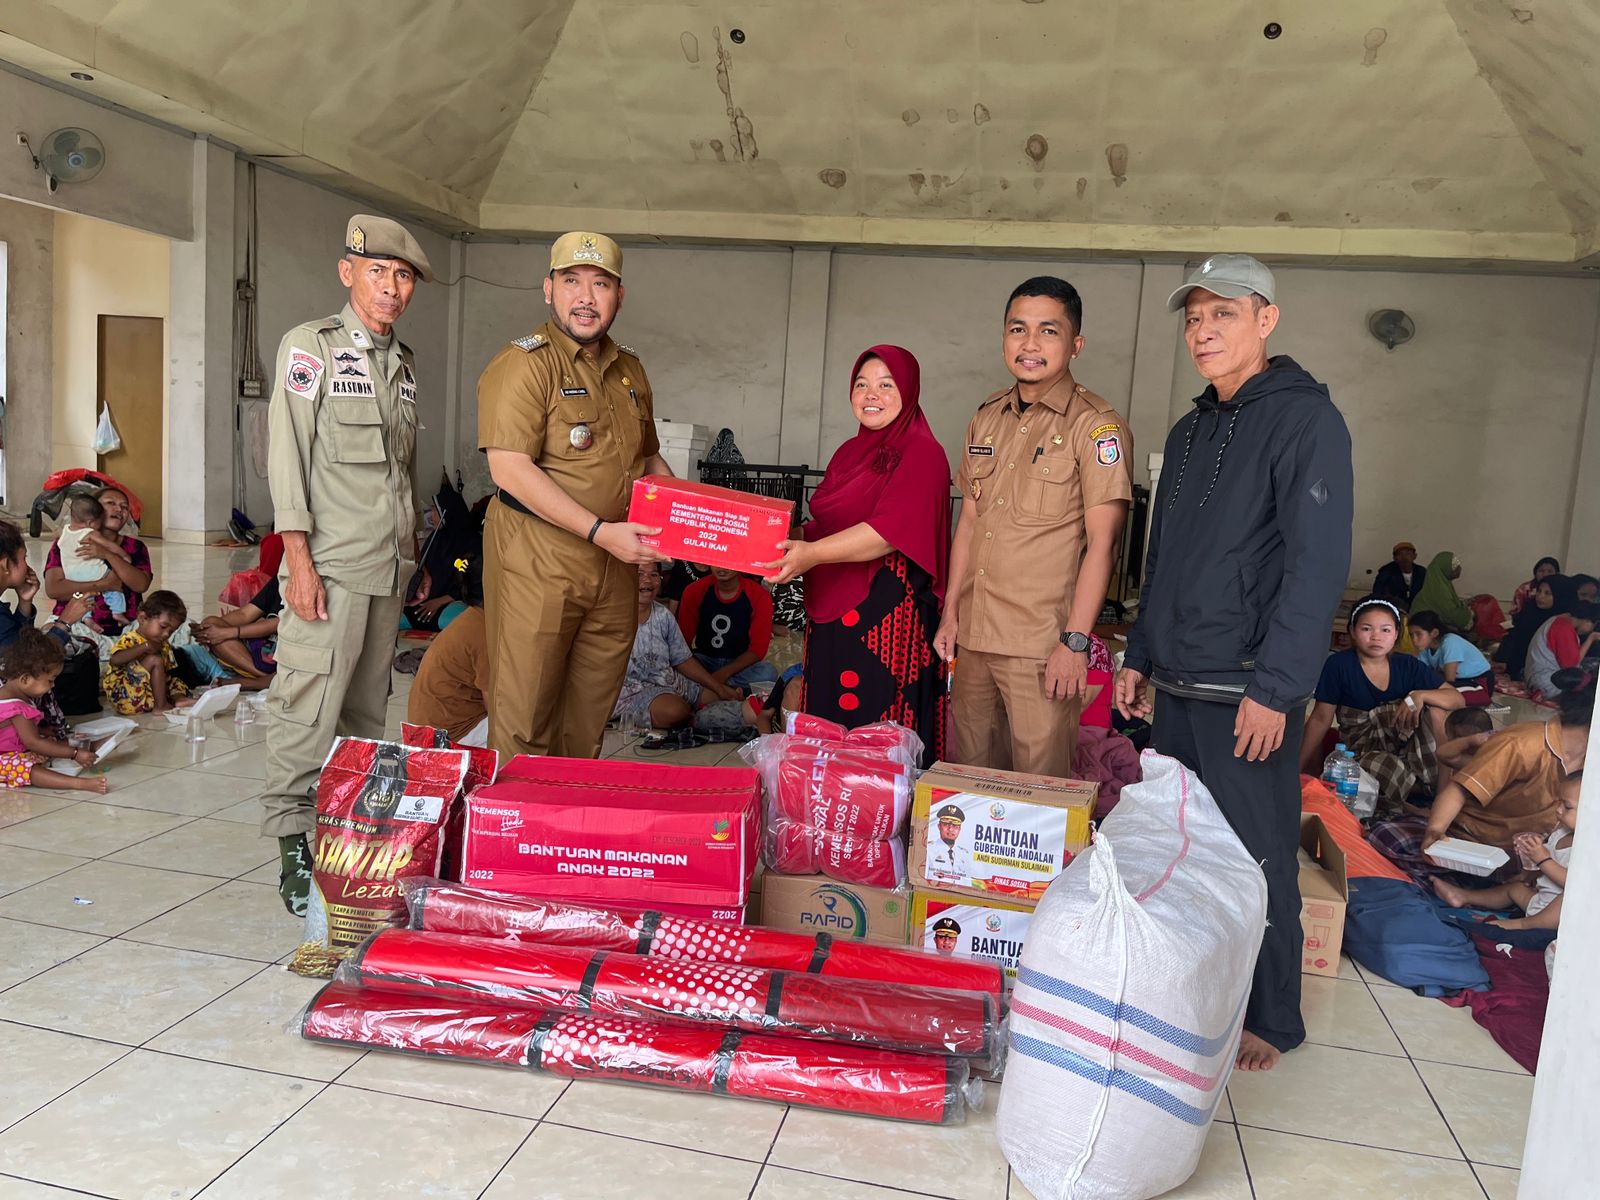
(627, 350)
(1001, 395)
(333, 322)
(531, 342)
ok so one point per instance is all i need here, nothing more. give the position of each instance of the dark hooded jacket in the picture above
(1249, 544)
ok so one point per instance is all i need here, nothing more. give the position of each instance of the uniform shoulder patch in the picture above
(304, 371)
(531, 342)
(1101, 430)
(333, 322)
(627, 350)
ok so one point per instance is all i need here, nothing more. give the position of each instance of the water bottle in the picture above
(1347, 783)
(1330, 765)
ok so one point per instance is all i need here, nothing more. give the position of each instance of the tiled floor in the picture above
(145, 1052)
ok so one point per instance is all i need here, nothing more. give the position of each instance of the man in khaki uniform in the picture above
(343, 423)
(1045, 488)
(564, 415)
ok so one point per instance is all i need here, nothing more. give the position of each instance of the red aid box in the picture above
(715, 526)
(640, 835)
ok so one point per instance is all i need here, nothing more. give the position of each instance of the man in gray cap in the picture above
(343, 423)
(1249, 553)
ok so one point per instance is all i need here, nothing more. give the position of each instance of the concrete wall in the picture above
(1466, 438)
(29, 235)
(100, 269)
(302, 229)
(1471, 438)
(709, 323)
(145, 180)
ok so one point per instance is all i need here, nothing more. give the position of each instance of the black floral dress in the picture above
(877, 662)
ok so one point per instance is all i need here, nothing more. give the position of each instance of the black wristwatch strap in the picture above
(595, 528)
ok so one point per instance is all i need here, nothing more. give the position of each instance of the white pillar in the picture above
(1562, 1155)
(800, 432)
(204, 380)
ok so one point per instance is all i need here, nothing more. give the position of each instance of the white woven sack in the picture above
(1130, 997)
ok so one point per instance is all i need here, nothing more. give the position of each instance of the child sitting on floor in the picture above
(140, 675)
(1465, 730)
(30, 665)
(1538, 892)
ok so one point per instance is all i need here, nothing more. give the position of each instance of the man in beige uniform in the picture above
(343, 422)
(564, 415)
(1045, 488)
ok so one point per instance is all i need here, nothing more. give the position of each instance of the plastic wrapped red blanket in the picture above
(853, 1079)
(909, 1017)
(440, 907)
(834, 808)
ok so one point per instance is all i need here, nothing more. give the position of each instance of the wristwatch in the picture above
(1078, 643)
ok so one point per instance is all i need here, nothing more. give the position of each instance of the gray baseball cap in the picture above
(1230, 275)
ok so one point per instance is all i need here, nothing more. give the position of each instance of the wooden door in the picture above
(132, 362)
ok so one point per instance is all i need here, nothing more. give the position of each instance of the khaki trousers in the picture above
(1004, 721)
(561, 616)
(333, 680)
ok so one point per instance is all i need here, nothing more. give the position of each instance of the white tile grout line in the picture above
(1431, 1098)
(57, 1186)
(771, 1146)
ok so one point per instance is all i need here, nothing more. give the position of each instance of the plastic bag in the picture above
(1130, 997)
(106, 438)
(382, 809)
(835, 808)
(894, 1016)
(862, 1080)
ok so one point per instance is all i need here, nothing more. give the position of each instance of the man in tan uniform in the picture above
(343, 423)
(564, 415)
(1045, 488)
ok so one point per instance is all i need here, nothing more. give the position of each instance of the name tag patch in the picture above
(408, 393)
(351, 387)
(574, 391)
(984, 451)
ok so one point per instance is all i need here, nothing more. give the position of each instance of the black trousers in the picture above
(1261, 800)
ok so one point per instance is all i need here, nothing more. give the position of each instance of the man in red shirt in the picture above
(727, 620)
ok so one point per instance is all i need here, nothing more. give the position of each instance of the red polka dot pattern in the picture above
(849, 679)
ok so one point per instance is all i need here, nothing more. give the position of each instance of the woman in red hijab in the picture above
(874, 557)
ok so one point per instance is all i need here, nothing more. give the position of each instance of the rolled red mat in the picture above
(840, 1078)
(897, 1016)
(456, 908)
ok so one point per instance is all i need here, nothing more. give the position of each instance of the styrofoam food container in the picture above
(1472, 858)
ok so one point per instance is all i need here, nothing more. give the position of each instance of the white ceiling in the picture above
(1370, 130)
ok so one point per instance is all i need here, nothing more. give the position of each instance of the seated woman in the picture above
(874, 559)
(240, 645)
(1438, 594)
(1542, 569)
(1586, 588)
(1565, 640)
(453, 678)
(127, 557)
(1460, 662)
(1511, 786)
(1390, 707)
(664, 684)
(17, 576)
(1551, 596)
